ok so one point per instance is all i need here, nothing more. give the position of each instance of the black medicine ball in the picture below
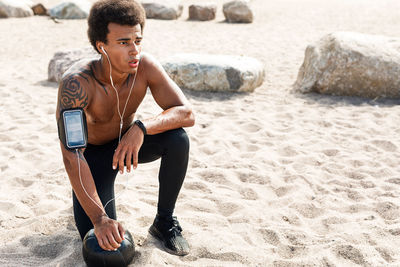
(95, 256)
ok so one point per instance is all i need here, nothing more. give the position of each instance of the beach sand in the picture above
(275, 178)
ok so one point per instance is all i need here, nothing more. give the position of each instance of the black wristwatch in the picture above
(141, 126)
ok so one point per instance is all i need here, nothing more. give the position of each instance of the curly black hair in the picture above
(123, 12)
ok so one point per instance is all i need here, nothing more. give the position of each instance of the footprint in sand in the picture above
(356, 163)
(252, 148)
(203, 252)
(385, 145)
(24, 182)
(388, 210)
(308, 210)
(51, 111)
(395, 232)
(227, 208)
(331, 152)
(354, 195)
(270, 236)
(48, 129)
(248, 193)
(50, 246)
(198, 187)
(367, 184)
(252, 177)
(283, 190)
(287, 152)
(394, 181)
(289, 251)
(350, 253)
(6, 138)
(151, 202)
(250, 127)
(208, 150)
(385, 254)
(6, 206)
(333, 220)
(213, 176)
(296, 239)
(356, 175)
(145, 221)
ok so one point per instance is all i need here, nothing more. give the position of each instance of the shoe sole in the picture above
(155, 233)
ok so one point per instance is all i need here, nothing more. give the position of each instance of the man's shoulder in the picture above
(80, 71)
(147, 59)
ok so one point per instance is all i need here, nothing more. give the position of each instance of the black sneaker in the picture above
(168, 231)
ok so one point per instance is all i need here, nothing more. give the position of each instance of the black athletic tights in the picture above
(173, 148)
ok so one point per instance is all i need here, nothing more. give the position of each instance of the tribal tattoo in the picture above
(72, 93)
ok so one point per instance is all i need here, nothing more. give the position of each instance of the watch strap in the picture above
(141, 126)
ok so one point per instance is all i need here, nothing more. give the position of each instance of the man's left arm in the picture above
(177, 112)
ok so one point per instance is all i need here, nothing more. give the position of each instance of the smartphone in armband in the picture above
(72, 128)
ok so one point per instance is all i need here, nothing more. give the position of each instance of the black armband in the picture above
(141, 126)
(72, 128)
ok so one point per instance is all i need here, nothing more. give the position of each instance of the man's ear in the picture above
(99, 45)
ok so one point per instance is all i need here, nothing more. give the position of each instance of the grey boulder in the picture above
(18, 9)
(351, 64)
(204, 72)
(166, 10)
(61, 61)
(71, 10)
(238, 11)
(203, 11)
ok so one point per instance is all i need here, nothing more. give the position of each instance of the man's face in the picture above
(124, 47)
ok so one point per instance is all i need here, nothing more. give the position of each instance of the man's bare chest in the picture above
(104, 102)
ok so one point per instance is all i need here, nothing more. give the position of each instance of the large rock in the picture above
(158, 9)
(71, 10)
(203, 72)
(13, 8)
(238, 11)
(203, 11)
(61, 61)
(352, 64)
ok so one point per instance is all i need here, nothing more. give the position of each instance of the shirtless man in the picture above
(121, 77)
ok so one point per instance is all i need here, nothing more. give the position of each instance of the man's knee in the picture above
(177, 140)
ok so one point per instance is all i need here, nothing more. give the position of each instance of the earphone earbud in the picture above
(102, 48)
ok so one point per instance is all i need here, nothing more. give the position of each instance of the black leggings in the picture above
(173, 148)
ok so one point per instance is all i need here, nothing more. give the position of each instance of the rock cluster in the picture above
(198, 72)
(352, 64)
(237, 11)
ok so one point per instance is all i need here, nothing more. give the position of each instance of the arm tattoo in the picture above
(72, 94)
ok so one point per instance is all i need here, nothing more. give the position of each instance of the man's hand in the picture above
(128, 149)
(109, 233)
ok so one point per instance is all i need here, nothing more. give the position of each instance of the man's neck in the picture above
(117, 78)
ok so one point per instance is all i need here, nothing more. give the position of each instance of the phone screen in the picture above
(73, 121)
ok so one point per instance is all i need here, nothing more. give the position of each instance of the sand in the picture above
(275, 178)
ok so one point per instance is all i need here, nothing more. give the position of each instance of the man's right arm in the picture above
(72, 94)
